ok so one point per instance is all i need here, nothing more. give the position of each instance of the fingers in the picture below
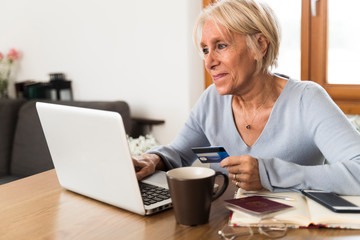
(139, 162)
(240, 177)
(238, 160)
(144, 165)
(142, 173)
(243, 171)
(248, 186)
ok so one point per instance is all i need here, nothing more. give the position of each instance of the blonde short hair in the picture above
(246, 17)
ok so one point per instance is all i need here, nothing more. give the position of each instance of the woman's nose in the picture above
(211, 60)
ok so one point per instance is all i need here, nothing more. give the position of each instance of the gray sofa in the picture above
(23, 149)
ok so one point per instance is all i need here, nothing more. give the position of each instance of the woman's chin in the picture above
(222, 90)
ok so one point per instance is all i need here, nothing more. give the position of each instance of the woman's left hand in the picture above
(244, 172)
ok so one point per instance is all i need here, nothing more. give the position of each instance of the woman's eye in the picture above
(205, 51)
(222, 46)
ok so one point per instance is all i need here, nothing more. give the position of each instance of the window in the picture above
(315, 41)
(289, 61)
(329, 52)
(343, 51)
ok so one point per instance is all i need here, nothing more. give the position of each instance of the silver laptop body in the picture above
(91, 156)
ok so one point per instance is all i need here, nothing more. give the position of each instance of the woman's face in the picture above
(228, 59)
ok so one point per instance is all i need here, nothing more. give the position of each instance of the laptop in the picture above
(91, 156)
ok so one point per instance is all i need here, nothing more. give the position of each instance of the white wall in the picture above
(139, 51)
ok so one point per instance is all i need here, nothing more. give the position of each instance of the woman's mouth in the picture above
(218, 76)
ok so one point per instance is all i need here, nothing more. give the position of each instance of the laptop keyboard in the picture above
(152, 194)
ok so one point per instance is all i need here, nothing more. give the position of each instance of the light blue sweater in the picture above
(305, 128)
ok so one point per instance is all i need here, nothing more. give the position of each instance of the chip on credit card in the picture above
(210, 154)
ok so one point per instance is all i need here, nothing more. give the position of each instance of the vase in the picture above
(4, 94)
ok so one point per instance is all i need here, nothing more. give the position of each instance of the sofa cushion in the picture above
(30, 152)
(8, 117)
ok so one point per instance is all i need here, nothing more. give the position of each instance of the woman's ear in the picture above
(263, 43)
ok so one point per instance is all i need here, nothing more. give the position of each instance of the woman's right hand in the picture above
(146, 165)
(244, 172)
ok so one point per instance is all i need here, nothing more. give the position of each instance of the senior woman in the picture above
(280, 133)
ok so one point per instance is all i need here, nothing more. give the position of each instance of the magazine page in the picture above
(324, 216)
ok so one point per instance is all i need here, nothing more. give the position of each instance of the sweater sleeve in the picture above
(334, 136)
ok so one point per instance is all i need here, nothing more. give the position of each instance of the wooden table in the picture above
(37, 207)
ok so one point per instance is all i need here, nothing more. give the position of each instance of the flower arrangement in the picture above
(141, 144)
(6, 64)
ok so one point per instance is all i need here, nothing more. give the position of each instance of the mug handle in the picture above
(224, 186)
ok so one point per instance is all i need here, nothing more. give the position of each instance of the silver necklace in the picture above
(248, 126)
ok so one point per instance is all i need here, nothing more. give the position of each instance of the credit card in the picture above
(210, 154)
